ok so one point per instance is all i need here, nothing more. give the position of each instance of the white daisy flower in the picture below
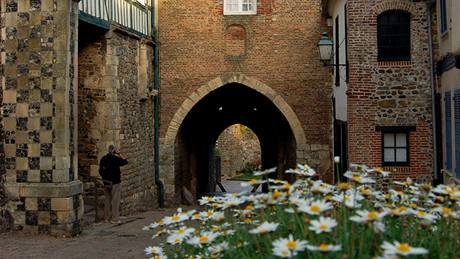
(351, 200)
(265, 172)
(447, 212)
(265, 228)
(324, 248)
(428, 217)
(252, 182)
(402, 249)
(176, 218)
(315, 207)
(288, 247)
(357, 177)
(178, 236)
(153, 250)
(322, 225)
(320, 187)
(303, 170)
(219, 248)
(368, 216)
(204, 238)
(379, 171)
(378, 227)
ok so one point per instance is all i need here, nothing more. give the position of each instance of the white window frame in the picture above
(236, 7)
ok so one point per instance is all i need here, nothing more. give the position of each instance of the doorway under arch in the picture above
(187, 144)
(230, 104)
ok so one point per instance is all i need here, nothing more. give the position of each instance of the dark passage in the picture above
(228, 105)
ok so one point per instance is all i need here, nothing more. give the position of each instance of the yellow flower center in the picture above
(204, 239)
(323, 247)
(315, 208)
(323, 227)
(247, 221)
(404, 248)
(175, 218)
(421, 214)
(372, 215)
(291, 244)
(276, 194)
(446, 211)
(356, 178)
(413, 205)
(344, 186)
(253, 182)
(209, 213)
(181, 231)
(365, 192)
(249, 207)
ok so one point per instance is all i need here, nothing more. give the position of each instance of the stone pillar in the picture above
(39, 114)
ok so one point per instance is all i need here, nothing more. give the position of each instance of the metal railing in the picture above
(129, 14)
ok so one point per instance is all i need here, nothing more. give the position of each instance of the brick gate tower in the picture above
(250, 62)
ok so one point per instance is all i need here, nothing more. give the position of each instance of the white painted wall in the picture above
(336, 8)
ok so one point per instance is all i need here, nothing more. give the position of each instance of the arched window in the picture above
(393, 33)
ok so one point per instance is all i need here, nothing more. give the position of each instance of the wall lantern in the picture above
(325, 48)
(326, 53)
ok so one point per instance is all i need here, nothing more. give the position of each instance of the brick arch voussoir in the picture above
(386, 5)
(204, 90)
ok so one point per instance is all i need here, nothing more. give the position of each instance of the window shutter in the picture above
(457, 132)
(448, 130)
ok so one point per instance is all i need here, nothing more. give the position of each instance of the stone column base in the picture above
(47, 208)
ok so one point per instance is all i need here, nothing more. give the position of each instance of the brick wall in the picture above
(389, 93)
(239, 148)
(91, 58)
(277, 47)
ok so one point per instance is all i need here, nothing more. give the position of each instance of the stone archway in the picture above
(168, 142)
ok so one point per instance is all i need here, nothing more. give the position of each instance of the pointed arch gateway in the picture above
(188, 145)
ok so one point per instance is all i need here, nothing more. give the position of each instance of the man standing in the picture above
(109, 169)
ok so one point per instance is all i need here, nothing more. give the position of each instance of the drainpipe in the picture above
(430, 6)
(156, 112)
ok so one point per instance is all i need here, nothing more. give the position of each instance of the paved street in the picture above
(98, 241)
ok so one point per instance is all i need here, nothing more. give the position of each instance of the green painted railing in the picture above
(130, 14)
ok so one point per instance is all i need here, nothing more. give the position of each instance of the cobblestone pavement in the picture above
(97, 241)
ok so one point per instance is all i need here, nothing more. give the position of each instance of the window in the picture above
(240, 7)
(346, 43)
(457, 131)
(448, 130)
(443, 16)
(337, 52)
(395, 145)
(395, 148)
(393, 36)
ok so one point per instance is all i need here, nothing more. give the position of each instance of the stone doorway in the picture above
(232, 103)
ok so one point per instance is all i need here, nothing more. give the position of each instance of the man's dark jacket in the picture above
(109, 168)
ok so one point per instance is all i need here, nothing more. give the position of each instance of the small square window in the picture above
(395, 148)
(395, 145)
(240, 7)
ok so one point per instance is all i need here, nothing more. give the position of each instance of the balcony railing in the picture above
(129, 14)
